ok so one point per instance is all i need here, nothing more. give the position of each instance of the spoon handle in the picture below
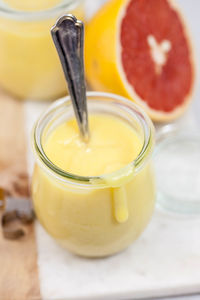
(68, 37)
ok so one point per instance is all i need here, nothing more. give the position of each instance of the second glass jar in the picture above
(29, 64)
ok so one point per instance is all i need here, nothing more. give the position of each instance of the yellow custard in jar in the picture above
(111, 207)
(29, 65)
(31, 5)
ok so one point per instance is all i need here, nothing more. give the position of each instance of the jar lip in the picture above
(87, 180)
(25, 15)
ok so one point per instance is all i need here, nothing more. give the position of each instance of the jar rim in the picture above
(25, 15)
(62, 175)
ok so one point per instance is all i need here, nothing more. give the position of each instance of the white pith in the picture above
(159, 52)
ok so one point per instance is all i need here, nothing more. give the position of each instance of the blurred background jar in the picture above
(29, 64)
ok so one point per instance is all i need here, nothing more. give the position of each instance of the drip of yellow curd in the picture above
(112, 145)
(94, 220)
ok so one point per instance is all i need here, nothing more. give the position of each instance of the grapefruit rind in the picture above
(103, 60)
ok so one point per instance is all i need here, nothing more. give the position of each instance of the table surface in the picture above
(188, 270)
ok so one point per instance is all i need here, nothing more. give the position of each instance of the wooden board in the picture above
(18, 259)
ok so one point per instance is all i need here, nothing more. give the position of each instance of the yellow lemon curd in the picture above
(32, 5)
(95, 221)
(29, 64)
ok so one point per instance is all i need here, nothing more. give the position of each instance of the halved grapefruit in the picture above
(140, 49)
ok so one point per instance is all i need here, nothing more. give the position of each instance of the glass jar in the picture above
(29, 64)
(82, 213)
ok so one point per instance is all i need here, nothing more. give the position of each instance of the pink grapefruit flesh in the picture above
(155, 54)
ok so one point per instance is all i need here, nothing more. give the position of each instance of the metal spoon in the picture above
(68, 37)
